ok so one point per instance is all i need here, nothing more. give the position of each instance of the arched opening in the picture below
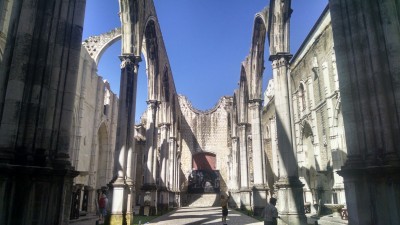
(257, 57)
(204, 177)
(302, 97)
(307, 170)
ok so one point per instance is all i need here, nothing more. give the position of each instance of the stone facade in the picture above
(59, 120)
(366, 34)
(205, 132)
(318, 123)
(93, 140)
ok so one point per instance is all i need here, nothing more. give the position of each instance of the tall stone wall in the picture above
(93, 139)
(205, 132)
(38, 75)
(318, 124)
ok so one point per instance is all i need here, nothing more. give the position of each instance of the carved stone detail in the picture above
(96, 45)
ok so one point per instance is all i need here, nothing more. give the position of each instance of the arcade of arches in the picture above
(322, 136)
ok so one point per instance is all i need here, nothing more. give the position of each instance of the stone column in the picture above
(150, 180)
(38, 76)
(245, 191)
(235, 184)
(172, 162)
(171, 169)
(122, 186)
(274, 148)
(164, 128)
(290, 190)
(260, 189)
(366, 35)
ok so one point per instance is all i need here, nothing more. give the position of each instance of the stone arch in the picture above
(165, 85)
(302, 93)
(234, 114)
(257, 55)
(97, 45)
(103, 159)
(243, 97)
(151, 50)
(307, 171)
(267, 134)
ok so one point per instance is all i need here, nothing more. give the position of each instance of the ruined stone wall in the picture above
(205, 132)
(94, 128)
(317, 116)
(321, 150)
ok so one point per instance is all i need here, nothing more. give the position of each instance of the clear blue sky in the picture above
(206, 41)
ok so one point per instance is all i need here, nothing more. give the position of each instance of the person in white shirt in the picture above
(270, 213)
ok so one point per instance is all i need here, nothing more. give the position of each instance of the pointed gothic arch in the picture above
(257, 55)
(243, 97)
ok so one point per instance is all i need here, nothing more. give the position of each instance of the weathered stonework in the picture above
(318, 124)
(93, 140)
(58, 117)
(205, 131)
(40, 47)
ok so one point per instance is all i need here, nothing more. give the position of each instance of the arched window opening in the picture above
(302, 97)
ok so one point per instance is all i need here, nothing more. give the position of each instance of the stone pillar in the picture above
(366, 35)
(38, 76)
(122, 186)
(235, 180)
(172, 162)
(245, 190)
(274, 147)
(260, 189)
(164, 128)
(171, 170)
(150, 179)
(290, 190)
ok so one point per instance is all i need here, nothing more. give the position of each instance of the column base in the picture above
(260, 198)
(376, 184)
(120, 197)
(234, 202)
(292, 220)
(163, 203)
(245, 199)
(290, 202)
(119, 219)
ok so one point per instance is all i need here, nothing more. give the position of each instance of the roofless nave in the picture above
(64, 133)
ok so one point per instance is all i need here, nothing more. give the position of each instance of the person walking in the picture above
(271, 213)
(103, 206)
(224, 205)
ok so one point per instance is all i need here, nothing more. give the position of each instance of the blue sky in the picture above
(206, 41)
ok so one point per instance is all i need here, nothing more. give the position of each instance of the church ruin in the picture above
(322, 135)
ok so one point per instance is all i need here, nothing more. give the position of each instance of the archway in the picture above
(204, 177)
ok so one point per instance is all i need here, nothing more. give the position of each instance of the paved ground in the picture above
(207, 215)
(194, 216)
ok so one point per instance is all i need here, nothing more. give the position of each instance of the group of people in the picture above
(270, 212)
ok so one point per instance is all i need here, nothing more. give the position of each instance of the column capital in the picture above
(279, 55)
(171, 138)
(255, 103)
(243, 124)
(152, 103)
(164, 125)
(130, 62)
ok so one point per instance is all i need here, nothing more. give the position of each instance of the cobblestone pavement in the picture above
(194, 216)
